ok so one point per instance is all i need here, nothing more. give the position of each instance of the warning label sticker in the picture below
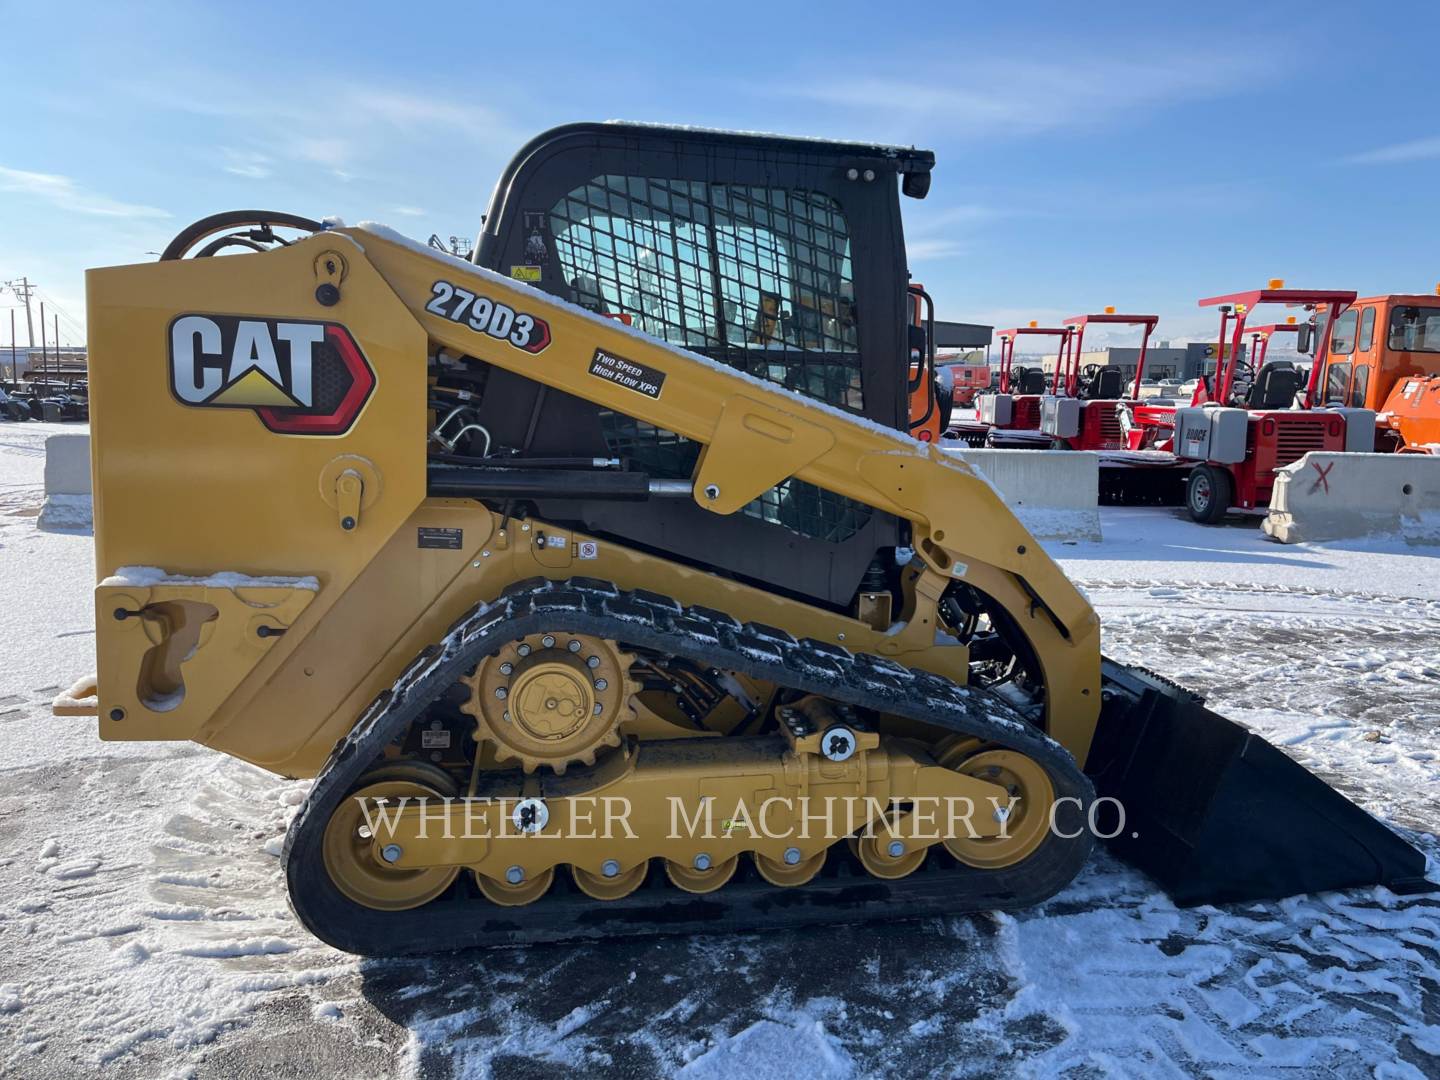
(627, 373)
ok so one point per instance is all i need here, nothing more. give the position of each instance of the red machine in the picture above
(1260, 337)
(1084, 415)
(1252, 419)
(1010, 417)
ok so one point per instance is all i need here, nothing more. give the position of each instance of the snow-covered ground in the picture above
(144, 931)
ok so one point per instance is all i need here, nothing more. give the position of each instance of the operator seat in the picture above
(1275, 387)
(1106, 384)
(1032, 381)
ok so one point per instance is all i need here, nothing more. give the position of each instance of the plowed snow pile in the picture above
(144, 930)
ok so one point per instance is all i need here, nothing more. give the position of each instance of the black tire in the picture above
(1208, 494)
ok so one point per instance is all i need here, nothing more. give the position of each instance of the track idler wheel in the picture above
(693, 879)
(349, 852)
(1028, 818)
(618, 883)
(517, 893)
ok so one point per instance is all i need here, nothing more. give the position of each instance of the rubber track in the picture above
(842, 892)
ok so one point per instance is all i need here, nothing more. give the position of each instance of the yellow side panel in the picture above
(197, 490)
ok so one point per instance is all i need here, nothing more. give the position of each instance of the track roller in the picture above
(518, 893)
(786, 873)
(695, 880)
(612, 886)
(887, 854)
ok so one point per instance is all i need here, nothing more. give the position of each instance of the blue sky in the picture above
(1088, 154)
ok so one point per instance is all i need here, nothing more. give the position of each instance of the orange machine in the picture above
(929, 415)
(1385, 355)
(966, 380)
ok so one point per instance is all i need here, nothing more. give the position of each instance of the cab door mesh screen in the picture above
(757, 278)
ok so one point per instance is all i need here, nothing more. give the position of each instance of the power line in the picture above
(23, 289)
(72, 325)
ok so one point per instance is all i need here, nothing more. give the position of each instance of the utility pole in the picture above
(44, 359)
(14, 364)
(56, 317)
(23, 289)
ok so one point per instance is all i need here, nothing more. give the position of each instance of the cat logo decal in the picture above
(299, 378)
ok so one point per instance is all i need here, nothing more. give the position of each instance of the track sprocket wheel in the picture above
(347, 845)
(552, 699)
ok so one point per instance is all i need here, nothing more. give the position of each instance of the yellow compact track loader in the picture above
(598, 585)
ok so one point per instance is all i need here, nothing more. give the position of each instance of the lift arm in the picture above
(757, 435)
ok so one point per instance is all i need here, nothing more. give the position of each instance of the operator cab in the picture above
(782, 258)
(1385, 356)
(1379, 341)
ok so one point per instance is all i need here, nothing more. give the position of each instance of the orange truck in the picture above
(1384, 355)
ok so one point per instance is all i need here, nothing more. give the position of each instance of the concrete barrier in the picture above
(1054, 493)
(1331, 496)
(67, 484)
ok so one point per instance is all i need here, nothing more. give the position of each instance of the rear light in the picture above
(1335, 428)
(1267, 427)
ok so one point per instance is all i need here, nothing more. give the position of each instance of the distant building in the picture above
(962, 335)
(1162, 361)
(68, 361)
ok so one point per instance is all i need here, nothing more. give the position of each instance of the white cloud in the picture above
(1021, 96)
(335, 152)
(932, 233)
(358, 130)
(922, 249)
(409, 211)
(1414, 150)
(405, 109)
(323, 150)
(353, 138)
(965, 214)
(64, 193)
(247, 163)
